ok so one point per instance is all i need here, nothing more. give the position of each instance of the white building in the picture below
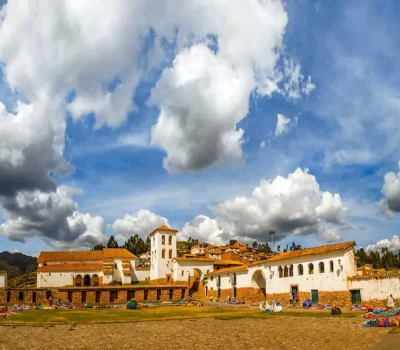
(3, 279)
(87, 268)
(312, 271)
(197, 249)
(163, 251)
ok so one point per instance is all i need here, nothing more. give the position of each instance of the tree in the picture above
(278, 248)
(232, 241)
(255, 244)
(112, 243)
(99, 246)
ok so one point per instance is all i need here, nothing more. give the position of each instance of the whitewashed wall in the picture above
(160, 267)
(377, 289)
(140, 275)
(3, 280)
(242, 278)
(60, 279)
(182, 269)
(327, 281)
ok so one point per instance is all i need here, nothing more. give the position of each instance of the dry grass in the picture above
(285, 332)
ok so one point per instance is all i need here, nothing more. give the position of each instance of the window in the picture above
(300, 269)
(170, 254)
(310, 269)
(212, 278)
(163, 253)
(21, 296)
(158, 294)
(321, 267)
(285, 272)
(291, 271)
(183, 272)
(280, 271)
(49, 274)
(170, 240)
(163, 239)
(331, 266)
(171, 294)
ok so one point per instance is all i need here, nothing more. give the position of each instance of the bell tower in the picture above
(163, 250)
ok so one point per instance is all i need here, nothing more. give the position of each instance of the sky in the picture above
(222, 119)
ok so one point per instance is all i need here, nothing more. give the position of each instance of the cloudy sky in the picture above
(223, 119)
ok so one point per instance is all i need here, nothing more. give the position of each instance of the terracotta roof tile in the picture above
(228, 269)
(3, 272)
(71, 267)
(142, 268)
(107, 254)
(227, 262)
(309, 251)
(164, 228)
(194, 259)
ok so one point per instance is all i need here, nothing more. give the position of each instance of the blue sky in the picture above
(346, 131)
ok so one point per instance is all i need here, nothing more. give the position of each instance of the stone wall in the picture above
(243, 294)
(92, 295)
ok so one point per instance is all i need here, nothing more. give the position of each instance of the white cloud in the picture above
(390, 204)
(52, 216)
(284, 124)
(392, 245)
(262, 144)
(204, 229)
(143, 222)
(290, 206)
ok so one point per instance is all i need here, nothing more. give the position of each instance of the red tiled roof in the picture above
(228, 269)
(71, 267)
(309, 251)
(227, 262)
(107, 254)
(141, 268)
(194, 259)
(164, 228)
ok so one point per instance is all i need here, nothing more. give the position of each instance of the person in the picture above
(290, 298)
(50, 300)
(390, 302)
(229, 298)
(297, 297)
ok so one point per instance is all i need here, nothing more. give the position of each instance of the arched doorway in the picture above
(95, 280)
(196, 280)
(86, 280)
(258, 282)
(78, 280)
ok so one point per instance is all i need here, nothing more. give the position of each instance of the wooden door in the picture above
(314, 297)
(355, 297)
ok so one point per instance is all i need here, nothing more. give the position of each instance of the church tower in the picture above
(163, 250)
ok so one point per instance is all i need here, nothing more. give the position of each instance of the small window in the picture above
(163, 239)
(21, 296)
(280, 272)
(321, 267)
(285, 272)
(300, 269)
(163, 253)
(49, 274)
(331, 266)
(212, 278)
(115, 266)
(291, 271)
(183, 272)
(170, 254)
(310, 269)
(170, 240)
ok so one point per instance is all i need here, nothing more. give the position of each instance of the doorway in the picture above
(113, 296)
(355, 297)
(294, 288)
(131, 295)
(183, 294)
(314, 297)
(171, 294)
(86, 281)
(34, 297)
(48, 294)
(83, 297)
(146, 294)
(70, 296)
(158, 294)
(98, 296)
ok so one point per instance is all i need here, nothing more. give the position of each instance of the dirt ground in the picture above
(277, 333)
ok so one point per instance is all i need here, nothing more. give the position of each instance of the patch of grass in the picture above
(62, 316)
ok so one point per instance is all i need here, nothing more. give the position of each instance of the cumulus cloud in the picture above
(143, 222)
(52, 216)
(392, 245)
(71, 52)
(284, 124)
(390, 204)
(205, 229)
(294, 205)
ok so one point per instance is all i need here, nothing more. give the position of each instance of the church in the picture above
(326, 275)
